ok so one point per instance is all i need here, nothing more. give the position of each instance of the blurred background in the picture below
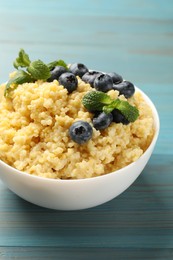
(132, 37)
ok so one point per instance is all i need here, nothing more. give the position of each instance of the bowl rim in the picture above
(119, 171)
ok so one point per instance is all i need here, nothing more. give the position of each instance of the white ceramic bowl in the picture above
(77, 194)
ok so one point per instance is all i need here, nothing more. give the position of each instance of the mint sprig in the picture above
(19, 78)
(99, 101)
(39, 70)
(95, 101)
(55, 63)
(130, 112)
(30, 72)
(22, 60)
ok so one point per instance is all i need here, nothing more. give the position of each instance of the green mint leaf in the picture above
(96, 100)
(22, 60)
(109, 108)
(19, 78)
(55, 63)
(39, 70)
(130, 112)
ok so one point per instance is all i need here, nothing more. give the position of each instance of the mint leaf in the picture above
(96, 100)
(19, 78)
(109, 108)
(130, 112)
(55, 63)
(100, 101)
(22, 60)
(36, 70)
(39, 70)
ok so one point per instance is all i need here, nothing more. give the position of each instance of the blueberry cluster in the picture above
(105, 82)
(67, 78)
(81, 131)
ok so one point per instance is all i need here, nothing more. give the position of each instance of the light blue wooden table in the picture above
(135, 39)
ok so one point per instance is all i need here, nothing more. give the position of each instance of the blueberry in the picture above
(102, 120)
(115, 77)
(56, 73)
(78, 69)
(103, 83)
(118, 117)
(69, 81)
(125, 88)
(80, 132)
(90, 76)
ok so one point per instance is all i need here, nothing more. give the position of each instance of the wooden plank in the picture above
(84, 253)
